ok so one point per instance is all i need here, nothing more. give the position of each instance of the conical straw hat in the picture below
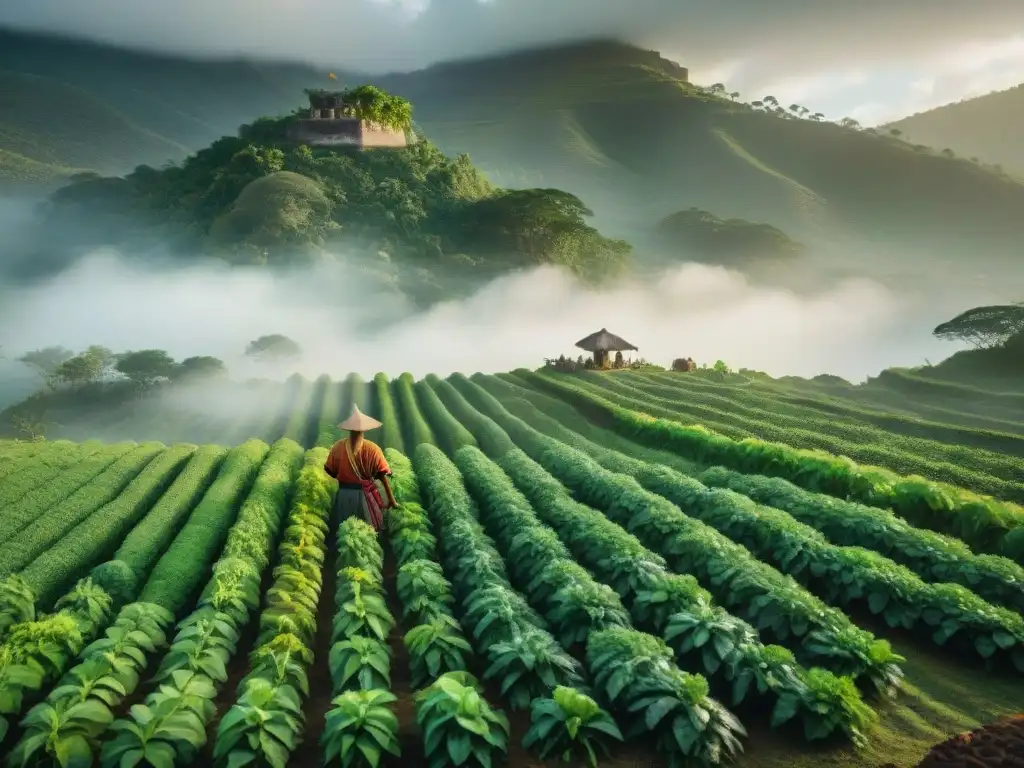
(359, 422)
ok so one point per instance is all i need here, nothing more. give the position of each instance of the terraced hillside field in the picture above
(574, 566)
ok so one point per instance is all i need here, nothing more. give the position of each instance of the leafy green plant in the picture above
(413, 544)
(528, 665)
(360, 663)
(262, 728)
(366, 615)
(423, 590)
(496, 613)
(358, 546)
(17, 602)
(585, 607)
(62, 734)
(570, 725)
(117, 579)
(350, 579)
(709, 633)
(169, 728)
(635, 675)
(409, 515)
(282, 661)
(47, 644)
(459, 727)
(436, 648)
(360, 729)
(205, 642)
(93, 678)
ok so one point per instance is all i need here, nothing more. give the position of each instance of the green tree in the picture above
(273, 347)
(145, 367)
(85, 368)
(374, 105)
(984, 327)
(199, 368)
(540, 226)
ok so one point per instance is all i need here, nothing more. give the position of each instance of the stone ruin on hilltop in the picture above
(330, 122)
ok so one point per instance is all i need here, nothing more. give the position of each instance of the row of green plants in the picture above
(566, 722)
(265, 724)
(66, 559)
(935, 557)
(171, 724)
(22, 474)
(387, 413)
(511, 639)
(979, 469)
(59, 521)
(16, 455)
(983, 523)
(435, 641)
(451, 433)
(48, 491)
(704, 637)
(981, 447)
(735, 422)
(149, 539)
(330, 414)
(727, 649)
(741, 583)
(360, 727)
(132, 561)
(579, 608)
(688, 726)
(417, 430)
(975, 469)
(951, 613)
(309, 395)
(946, 610)
(79, 709)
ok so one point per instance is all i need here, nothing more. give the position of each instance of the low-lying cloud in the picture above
(781, 36)
(343, 324)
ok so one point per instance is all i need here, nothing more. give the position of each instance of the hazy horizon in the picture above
(852, 329)
(875, 62)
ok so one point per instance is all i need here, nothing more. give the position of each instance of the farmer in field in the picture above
(358, 464)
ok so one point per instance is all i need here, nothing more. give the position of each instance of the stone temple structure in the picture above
(330, 124)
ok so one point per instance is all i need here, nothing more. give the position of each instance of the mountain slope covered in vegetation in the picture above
(613, 124)
(986, 127)
(422, 222)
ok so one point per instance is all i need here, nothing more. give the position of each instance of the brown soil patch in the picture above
(999, 745)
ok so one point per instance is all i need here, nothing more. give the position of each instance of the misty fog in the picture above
(758, 42)
(346, 324)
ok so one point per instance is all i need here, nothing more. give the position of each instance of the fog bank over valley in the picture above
(346, 323)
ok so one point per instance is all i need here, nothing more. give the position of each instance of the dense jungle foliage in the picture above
(422, 219)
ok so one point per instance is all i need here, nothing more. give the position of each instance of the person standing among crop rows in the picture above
(358, 464)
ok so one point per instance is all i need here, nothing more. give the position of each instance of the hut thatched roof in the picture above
(602, 341)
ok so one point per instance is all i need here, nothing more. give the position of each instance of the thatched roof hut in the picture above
(603, 342)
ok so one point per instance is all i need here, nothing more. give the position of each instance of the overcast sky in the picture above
(871, 59)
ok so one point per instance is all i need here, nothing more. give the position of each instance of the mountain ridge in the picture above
(985, 127)
(619, 126)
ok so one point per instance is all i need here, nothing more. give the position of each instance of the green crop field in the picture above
(646, 568)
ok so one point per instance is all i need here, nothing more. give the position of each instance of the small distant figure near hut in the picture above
(603, 342)
(683, 365)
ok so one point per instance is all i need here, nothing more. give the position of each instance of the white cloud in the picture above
(853, 328)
